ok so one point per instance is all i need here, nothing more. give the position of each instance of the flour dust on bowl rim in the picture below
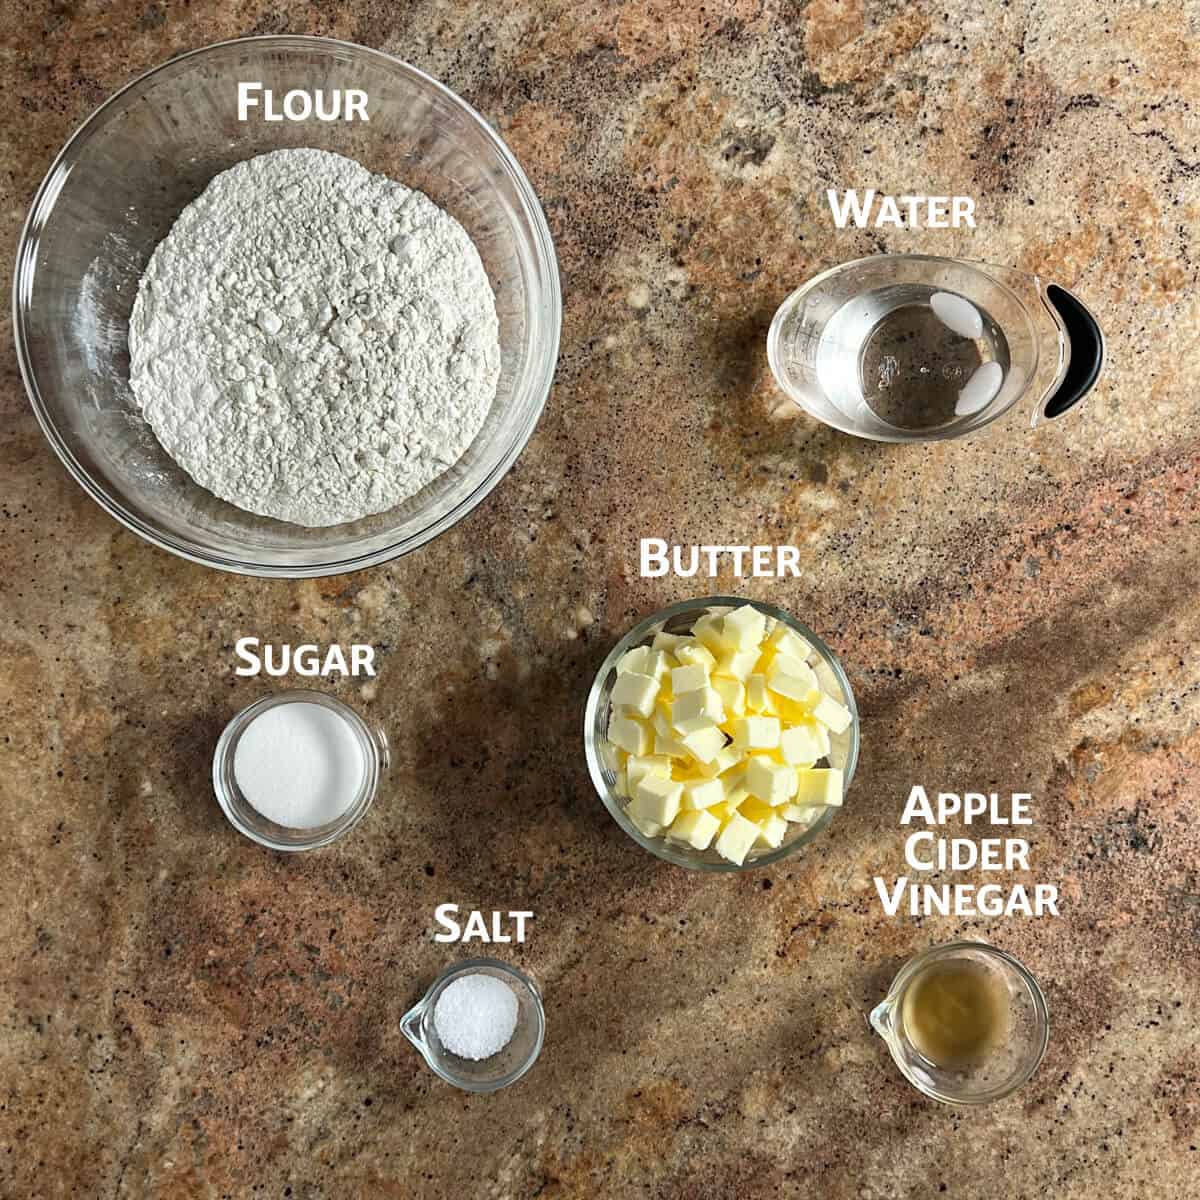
(115, 191)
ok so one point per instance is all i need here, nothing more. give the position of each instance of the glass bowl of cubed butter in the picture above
(721, 734)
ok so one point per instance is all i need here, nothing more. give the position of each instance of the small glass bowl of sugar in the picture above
(298, 770)
(480, 1026)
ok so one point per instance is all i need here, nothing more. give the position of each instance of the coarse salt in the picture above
(476, 1016)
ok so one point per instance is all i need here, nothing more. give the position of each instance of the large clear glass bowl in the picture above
(115, 190)
(601, 757)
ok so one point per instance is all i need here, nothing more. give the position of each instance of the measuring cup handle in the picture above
(1087, 351)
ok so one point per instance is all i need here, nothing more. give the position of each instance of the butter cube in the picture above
(758, 697)
(689, 678)
(745, 627)
(650, 829)
(822, 738)
(756, 733)
(661, 720)
(629, 733)
(665, 744)
(735, 789)
(696, 710)
(800, 813)
(621, 786)
(790, 712)
(803, 745)
(639, 766)
(829, 712)
(736, 839)
(656, 799)
(709, 631)
(635, 692)
(772, 832)
(726, 757)
(666, 642)
(737, 664)
(755, 810)
(695, 829)
(657, 665)
(704, 744)
(633, 660)
(693, 653)
(772, 782)
(723, 811)
(702, 793)
(785, 664)
(788, 641)
(819, 785)
(801, 687)
(732, 693)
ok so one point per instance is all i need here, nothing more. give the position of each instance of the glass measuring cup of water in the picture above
(914, 348)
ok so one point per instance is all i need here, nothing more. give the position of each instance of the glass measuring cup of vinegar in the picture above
(965, 1022)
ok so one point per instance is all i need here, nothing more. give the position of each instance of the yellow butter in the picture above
(772, 782)
(702, 793)
(756, 810)
(695, 710)
(690, 678)
(758, 697)
(737, 664)
(656, 799)
(802, 745)
(635, 692)
(829, 712)
(772, 831)
(736, 838)
(641, 765)
(725, 757)
(650, 829)
(756, 733)
(787, 641)
(819, 785)
(696, 829)
(732, 693)
(709, 631)
(704, 744)
(744, 628)
(629, 733)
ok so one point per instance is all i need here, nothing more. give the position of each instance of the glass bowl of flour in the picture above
(286, 306)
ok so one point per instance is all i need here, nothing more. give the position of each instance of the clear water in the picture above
(889, 352)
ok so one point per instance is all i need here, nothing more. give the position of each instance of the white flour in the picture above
(313, 342)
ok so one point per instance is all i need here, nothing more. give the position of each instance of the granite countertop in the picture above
(189, 1015)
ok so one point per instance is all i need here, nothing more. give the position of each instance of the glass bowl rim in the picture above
(660, 847)
(1040, 1006)
(354, 813)
(545, 357)
(469, 966)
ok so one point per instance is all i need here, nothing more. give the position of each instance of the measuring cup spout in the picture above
(1085, 356)
(880, 1019)
(410, 1026)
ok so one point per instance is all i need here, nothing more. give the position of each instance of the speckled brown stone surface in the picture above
(187, 1015)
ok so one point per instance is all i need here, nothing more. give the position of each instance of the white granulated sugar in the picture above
(299, 764)
(476, 1016)
(313, 342)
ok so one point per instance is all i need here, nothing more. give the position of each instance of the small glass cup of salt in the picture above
(298, 770)
(480, 1026)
